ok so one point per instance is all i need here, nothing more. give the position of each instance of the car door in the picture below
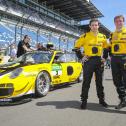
(56, 69)
(69, 69)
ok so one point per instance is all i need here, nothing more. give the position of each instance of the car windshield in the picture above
(43, 57)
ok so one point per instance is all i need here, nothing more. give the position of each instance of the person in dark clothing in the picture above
(108, 64)
(23, 46)
(40, 47)
(49, 46)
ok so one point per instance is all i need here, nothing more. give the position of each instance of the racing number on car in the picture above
(56, 70)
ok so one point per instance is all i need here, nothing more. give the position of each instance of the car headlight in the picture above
(15, 73)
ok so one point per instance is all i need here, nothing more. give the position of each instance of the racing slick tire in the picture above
(42, 85)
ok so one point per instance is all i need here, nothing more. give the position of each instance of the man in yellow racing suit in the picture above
(118, 60)
(93, 43)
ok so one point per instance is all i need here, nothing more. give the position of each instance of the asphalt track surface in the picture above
(61, 107)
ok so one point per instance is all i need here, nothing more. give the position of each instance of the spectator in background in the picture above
(13, 52)
(40, 47)
(24, 46)
(50, 46)
(108, 63)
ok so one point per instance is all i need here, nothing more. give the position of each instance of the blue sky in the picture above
(110, 8)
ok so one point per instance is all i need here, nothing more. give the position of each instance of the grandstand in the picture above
(45, 21)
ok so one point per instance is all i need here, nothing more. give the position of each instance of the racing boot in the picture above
(103, 103)
(122, 104)
(83, 105)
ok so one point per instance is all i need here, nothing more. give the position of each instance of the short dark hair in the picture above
(25, 36)
(94, 20)
(119, 16)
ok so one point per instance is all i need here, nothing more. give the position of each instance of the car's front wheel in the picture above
(42, 84)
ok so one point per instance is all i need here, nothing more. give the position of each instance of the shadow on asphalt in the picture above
(58, 87)
(76, 105)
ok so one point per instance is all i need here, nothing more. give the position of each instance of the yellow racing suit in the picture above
(93, 48)
(93, 45)
(118, 61)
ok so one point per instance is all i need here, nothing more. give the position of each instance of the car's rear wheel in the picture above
(42, 84)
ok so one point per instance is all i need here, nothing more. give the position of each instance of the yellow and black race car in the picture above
(35, 72)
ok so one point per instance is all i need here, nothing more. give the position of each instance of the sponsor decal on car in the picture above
(56, 70)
